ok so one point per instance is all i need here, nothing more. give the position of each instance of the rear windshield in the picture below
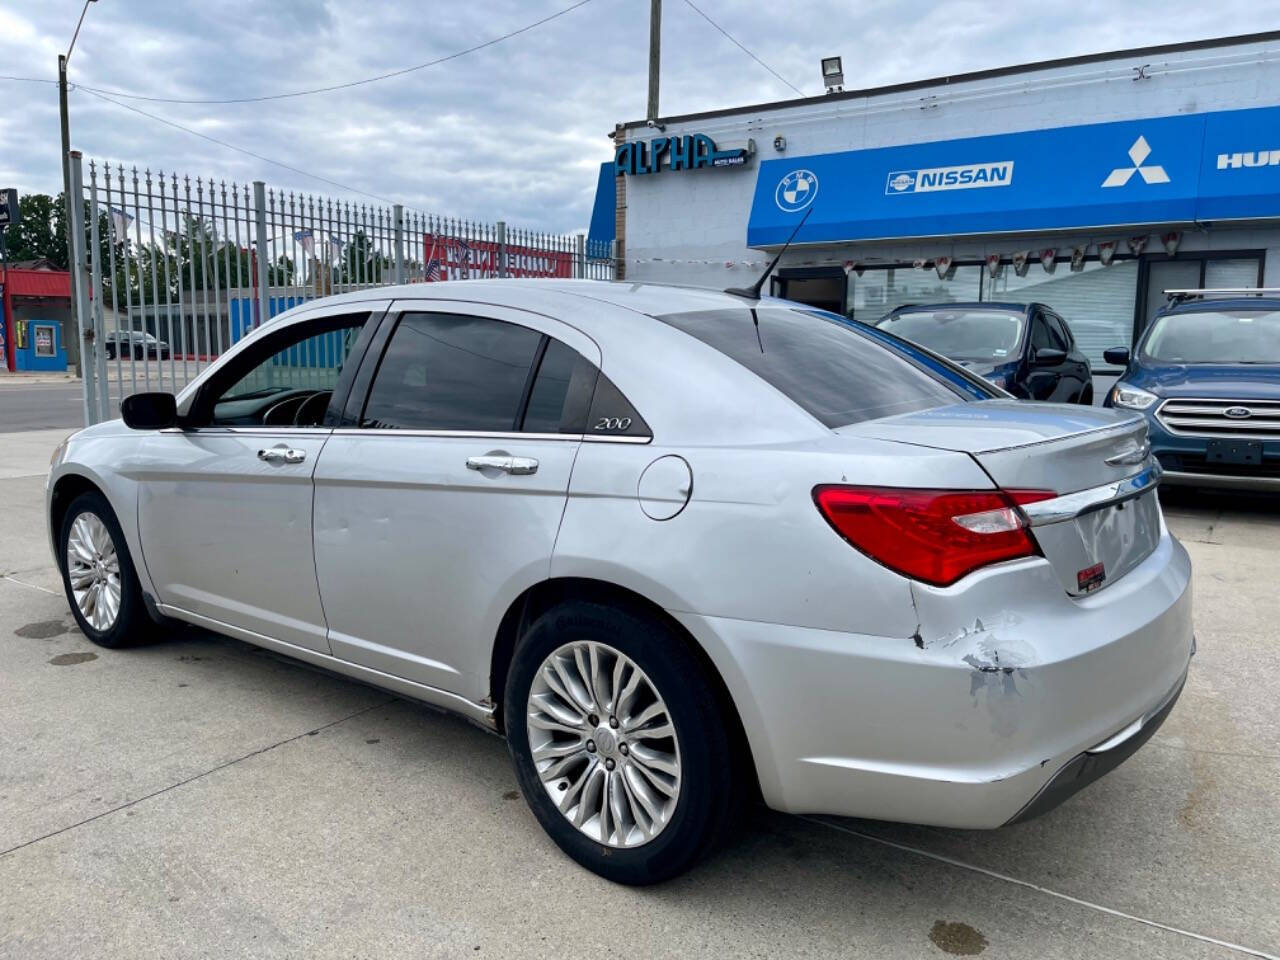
(1213, 336)
(988, 336)
(824, 364)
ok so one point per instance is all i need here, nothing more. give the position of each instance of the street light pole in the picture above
(655, 55)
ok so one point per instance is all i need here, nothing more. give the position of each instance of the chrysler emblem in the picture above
(1238, 413)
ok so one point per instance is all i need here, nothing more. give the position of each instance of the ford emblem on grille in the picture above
(1238, 413)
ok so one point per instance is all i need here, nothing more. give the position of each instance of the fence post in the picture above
(84, 323)
(617, 273)
(397, 212)
(502, 248)
(99, 325)
(260, 227)
(580, 252)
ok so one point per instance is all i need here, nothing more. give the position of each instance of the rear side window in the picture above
(452, 372)
(561, 391)
(827, 367)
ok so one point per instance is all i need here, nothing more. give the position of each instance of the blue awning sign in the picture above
(1183, 169)
(795, 191)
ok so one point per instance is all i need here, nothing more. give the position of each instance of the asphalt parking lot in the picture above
(201, 798)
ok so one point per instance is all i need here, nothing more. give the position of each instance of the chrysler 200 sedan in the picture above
(683, 548)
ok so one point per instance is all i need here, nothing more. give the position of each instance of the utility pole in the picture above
(66, 194)
(66, 173)
(655, 55)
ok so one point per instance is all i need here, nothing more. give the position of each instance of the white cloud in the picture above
(510, 132)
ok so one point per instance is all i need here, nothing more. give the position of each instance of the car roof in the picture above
(965, 305)
(1226, 303)
(687, 391)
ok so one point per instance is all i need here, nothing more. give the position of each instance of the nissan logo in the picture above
(1238, 413)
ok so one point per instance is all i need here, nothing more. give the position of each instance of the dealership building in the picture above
(1091, 184)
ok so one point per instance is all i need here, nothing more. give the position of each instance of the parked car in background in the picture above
(1026, 348)
(683, 548)
(1206, 375)
(123, 343)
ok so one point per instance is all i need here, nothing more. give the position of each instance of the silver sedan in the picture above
(682, 548)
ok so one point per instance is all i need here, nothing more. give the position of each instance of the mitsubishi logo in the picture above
(1137, 153)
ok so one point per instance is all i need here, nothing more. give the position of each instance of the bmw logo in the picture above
(796, 191)
(902, 182)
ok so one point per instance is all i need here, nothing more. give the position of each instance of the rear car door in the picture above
(440, 495)
(225, 503)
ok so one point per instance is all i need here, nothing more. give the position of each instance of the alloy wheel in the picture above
(604, 744)
(93, 567)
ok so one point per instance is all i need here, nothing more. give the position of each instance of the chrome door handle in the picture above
(520, 466)
(282, 455)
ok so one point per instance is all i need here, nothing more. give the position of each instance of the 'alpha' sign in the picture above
(690, 152)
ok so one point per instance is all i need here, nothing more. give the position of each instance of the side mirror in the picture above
(1116, 356)
(1049, 356)
(149, 411)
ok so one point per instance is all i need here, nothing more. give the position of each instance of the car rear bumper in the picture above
(982, 716)
(1101, 759)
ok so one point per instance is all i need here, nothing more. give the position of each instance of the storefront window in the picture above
(880, 290)
(1239, 274)
(1097, 302)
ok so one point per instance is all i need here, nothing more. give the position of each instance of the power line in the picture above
(744, 49)
(348, 84)
(232, 146)
(28, 79)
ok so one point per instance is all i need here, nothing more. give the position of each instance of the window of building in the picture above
(882, 289)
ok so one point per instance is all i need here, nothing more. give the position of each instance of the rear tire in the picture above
(635, 831)
(98, 574)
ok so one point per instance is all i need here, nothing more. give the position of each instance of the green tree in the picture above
(41, 230)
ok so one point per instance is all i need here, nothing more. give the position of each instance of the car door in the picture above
(439, 500)
(1076, 373)
(1044, 381)
(225, 502)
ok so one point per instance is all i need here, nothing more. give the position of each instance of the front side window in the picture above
(827, 366)
(285, 379)
(972, 334)
(1058, 329)
(1215, 336)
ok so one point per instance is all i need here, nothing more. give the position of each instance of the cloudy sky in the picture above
(514, 131)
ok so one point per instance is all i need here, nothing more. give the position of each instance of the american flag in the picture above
(462, 256)
(120, 221)
(433, 270)
(307, 239)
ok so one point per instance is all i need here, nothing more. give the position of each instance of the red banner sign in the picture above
(450, 258)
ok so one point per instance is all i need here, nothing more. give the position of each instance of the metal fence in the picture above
(172, 270)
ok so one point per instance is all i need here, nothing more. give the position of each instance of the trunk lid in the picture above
(1106, 518)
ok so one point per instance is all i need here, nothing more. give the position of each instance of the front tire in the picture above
(619, 743)
(98, 575)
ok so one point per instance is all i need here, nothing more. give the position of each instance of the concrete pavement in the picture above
(199, 797)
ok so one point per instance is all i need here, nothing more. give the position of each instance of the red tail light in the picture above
(936, 536)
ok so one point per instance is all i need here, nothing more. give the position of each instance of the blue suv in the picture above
(1206, 375)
